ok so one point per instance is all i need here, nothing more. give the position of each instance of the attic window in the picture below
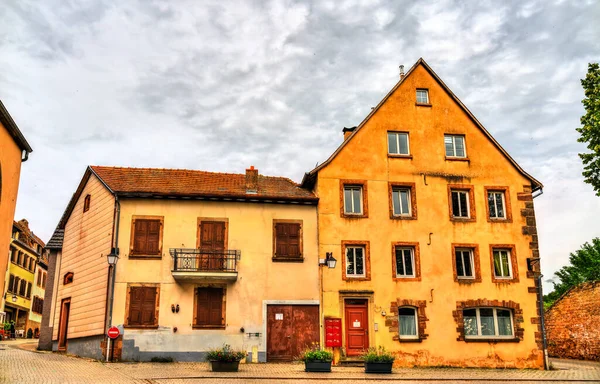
(422, 96)
(68, 278)
(86, 203)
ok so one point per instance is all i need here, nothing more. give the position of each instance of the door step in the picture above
(351, 363)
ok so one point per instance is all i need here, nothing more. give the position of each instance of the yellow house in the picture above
(204, 259)
(14, 149)
(21, 291)
(433, 227)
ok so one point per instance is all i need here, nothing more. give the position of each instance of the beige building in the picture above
(204, 259)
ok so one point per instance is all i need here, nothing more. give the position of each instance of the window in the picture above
(488, 323)
(405, 262)
(22, 288)
(355, 261)
(11, 282)
(460, 204)
(455, 146)
(68, 278)
(502, 263)
(39, 278)
(16, 285)
(13, 255)
(287, 237)
(353, 200)
(28, 295)
(496, 205)
(422, 96)
(86, 203)
(209, 309)
(407, 323)
(44, 281)
(31, 264)
(19, 257)
(464, 263)
(142, 306)
(37, 305)
(146, 236)
(401, 201)
(398, 143)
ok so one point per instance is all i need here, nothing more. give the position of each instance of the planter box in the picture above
(317, 366)
(225, 366)
(378, 367)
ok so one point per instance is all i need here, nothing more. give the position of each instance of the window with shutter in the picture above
(11, 282)
(287, 238)
(210, 308)
(28, 290)
(146, 236)
(142, 306)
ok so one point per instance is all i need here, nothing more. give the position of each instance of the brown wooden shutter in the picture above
(202, 305)
(39, 279)
(149, 306)
(153, 237)
(139, 239)
(209, 307)
(288, 240)
(136, 296)
(146, 240)
(11, 282)
(294, 240)
(281, 249)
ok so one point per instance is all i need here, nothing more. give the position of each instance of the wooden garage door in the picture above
(290, 329)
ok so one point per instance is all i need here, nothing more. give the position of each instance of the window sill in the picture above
(145, 257)
(352, 278)
(208, 327)
(400, 217)
(141, 326)
(451, 158)
(462, 220)
(492, 340)
(281, 259)
(417, 340)
(354, 216)
(500, 280)
(499, 221)
(399, 156)
(408, 279)
(423, 105)
(467, 281)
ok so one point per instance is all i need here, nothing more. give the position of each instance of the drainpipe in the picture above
(114, 250)
(541, 304)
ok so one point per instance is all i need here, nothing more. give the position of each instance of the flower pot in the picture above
(317, 366)
(225, 366)
(378, 367)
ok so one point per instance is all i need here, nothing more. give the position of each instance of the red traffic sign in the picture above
(113, 332)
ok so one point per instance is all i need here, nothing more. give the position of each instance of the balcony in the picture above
(192, 265)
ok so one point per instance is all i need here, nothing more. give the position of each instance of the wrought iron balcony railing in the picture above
(198, 260)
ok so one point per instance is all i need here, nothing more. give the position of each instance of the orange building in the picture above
(433, 227)
(14, 150)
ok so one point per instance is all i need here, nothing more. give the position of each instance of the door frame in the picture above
(262, 347)
(63, 303)
(362, 295)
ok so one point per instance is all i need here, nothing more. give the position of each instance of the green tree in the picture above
(590, 129)
(584, 265)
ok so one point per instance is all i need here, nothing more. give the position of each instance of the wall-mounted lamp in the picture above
(329, 260)
(14, 298)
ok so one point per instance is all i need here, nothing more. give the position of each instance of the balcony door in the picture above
(212, 246)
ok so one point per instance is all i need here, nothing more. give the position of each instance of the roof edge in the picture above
(13, 129)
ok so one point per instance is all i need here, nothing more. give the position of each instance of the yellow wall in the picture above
(250, 230)
(10, 171)
(365, 158)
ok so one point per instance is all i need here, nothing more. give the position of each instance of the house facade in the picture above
(14, 149)
(204, 259)
(432, 225)
(573, 323)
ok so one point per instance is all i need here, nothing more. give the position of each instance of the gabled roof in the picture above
(309, 177)
(13, 130)
(56, 241)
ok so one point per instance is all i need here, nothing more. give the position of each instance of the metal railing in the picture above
(198, 260)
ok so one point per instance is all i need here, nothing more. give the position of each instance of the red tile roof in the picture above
(188, 183)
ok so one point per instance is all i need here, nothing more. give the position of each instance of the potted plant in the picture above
(316, 360)
(378, 360)
(225, 359)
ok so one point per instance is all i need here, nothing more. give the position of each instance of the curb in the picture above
(375, 378)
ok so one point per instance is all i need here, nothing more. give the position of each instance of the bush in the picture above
(379, 355)
(315, 353)
(225, 354)
(162, 359)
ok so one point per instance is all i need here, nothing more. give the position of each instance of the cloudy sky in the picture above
(219, 85)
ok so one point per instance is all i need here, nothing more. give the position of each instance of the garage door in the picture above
(290, 329)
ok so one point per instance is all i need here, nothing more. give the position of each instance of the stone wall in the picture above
(573, 324)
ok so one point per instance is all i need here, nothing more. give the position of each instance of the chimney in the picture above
(348, 132)
(252, 180)
(401, 72)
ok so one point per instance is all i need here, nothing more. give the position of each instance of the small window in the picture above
(143, 306)
(13, 255)
(422, 96)
(146, 237)
(502, 264)
(497, 205)
(38, 305)
(355, 261)
(407, 323)
(44, 281)
(288, 241)
(68, 278)
(210, 308)
(353, 200)
(22, 288)
(39, 278)
(465, 268)
(488, 323)
(401, 201)
(405, 262)
(460, 204)
(86, 203)
(455, 146)
(28, 295)
(11, 282)
(19, 257)
(398, 143)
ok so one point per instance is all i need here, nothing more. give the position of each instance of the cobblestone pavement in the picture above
(20, 364)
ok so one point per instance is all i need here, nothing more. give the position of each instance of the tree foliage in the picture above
(590, 127)
(584, 265)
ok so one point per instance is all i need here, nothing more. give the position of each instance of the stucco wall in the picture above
(365, 158)
(250, 230)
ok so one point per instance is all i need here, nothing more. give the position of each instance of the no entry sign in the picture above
(113, 332)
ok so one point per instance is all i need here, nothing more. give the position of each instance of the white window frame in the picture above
(424, 90)
(397, 137)
(408, 337)
(353, 188)
(503, 198)
(496, 330)
(454, 155)
(509, 256)
(471, 260)
(398, 190)
(364, 251)
(467, 193)
(412, 261)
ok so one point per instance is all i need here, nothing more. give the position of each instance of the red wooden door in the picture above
(63, 324)
(291, 329)
(212, 241)
(357, 327)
